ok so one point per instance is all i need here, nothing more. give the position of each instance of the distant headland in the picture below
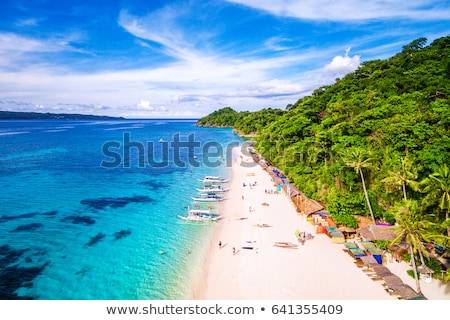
(12, 115)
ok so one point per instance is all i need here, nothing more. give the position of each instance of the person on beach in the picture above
(220, 244)
(234, 251)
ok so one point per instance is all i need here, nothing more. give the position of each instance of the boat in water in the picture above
(200, 215)
(213, 179)
(208, 197)
(213, 189)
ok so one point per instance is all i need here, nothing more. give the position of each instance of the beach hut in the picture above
(426, 273)
(330, 230)
(263, 164)
(396, 251)
(291, 190)
(347, 231)
(320, 229)
(302, 203)
(337, 237)
(357, 252)
(377, 254)
(377, 232)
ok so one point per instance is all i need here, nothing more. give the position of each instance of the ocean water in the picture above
(87, 207)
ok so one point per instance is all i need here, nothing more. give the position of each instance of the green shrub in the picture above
(410, 273)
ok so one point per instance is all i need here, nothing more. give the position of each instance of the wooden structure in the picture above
(302, 203)
(392, 283)
(377, 232)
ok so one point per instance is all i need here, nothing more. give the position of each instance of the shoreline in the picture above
(252, 221)
(224, 208)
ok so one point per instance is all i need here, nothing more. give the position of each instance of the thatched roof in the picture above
(424, 269)
(291, 190)
(304, 204)
(370, 260)
(263, 164)
(277, 180)
(377, 232)
(363, 221)
(404, 291)
(322, 213)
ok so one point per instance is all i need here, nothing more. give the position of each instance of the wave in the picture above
(40, 153)
(11, 133)
(124, 128)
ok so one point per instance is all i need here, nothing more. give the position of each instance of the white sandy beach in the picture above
(317, 270)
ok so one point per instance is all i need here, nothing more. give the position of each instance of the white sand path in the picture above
(319, 269)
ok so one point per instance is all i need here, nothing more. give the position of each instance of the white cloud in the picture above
(271, 88)
(278, 44)
(356, 10)
(18, 51)
(192, 84)
(195, 79)
(145, 104)
(27, 23)
(162, 27)
(12, 43)
(341, 65)
(186, 88)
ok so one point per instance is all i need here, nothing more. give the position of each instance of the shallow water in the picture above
(72, 228)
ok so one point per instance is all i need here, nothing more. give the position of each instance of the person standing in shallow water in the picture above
(220, 244)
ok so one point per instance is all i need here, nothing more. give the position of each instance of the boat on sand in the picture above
(288, 245)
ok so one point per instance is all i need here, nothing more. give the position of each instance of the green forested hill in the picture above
(12, 115)
(388, 122)
(243, 122)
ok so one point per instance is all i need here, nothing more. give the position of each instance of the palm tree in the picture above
(404, 172)
(415, 230)
(358, 159)
(437, 186)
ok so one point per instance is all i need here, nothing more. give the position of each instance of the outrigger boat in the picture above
(288, 245)
(213, 189)
(213, 179)
(200, 215)
(208, 197)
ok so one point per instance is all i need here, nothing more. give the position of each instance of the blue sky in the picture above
(185, 59)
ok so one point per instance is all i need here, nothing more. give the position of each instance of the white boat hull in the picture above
(200, 215)
(213, 179)
(217, 199)
(213, 190)
(200, 218)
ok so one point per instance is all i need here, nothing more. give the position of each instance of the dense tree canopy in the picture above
(395, 110)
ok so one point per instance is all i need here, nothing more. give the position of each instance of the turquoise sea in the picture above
(87, 207)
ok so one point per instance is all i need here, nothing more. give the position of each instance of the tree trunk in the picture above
(404, 190)
(422, 261)
(446, 219)
(416, 277)
(366, 195)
